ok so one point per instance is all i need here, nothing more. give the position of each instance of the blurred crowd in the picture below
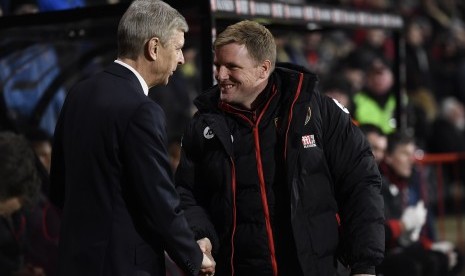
(356, 67)
(413, 246)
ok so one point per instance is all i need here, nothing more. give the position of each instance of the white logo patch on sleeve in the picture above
(208, 133)
(341, 106)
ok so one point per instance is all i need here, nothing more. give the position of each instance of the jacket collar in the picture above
(123, 72)
(139, 77)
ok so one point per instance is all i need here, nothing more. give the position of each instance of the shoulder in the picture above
(292, 73)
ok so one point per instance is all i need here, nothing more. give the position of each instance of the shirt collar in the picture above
(144, 85)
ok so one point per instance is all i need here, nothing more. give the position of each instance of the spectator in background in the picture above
(190, 70)
(42, 219)
(421, 109)
(447, 135)
(448, 130)
(373, 44)
(19, 186)
(411, 248)
(449, 64)
(27, 73)
(376, 102)
(418, 60)
(289, 48)
(353, 70)
(338, 89)
(318, 53)
(41, 142)
(377, 140)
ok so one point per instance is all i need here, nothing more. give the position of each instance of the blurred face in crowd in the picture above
(414, 35)
(379, 79)
(378, 145)
(376, 37)
(455, 113)
(239, 77)
(356, 77)
(169, 56)
(401, 160)
(43, 150)
(9, 206)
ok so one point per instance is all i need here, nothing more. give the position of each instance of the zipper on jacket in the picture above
(262, 184)
(266, 211)
(233, 184)
(297, 94)
(269, 230)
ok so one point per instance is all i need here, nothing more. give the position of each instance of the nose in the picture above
(181, 58)
(221, 73)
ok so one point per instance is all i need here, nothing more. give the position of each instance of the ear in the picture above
(265, 68)
(152, 48)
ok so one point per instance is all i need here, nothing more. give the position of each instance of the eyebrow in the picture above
(229, 64)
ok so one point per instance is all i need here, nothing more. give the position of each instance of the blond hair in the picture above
(257, 39)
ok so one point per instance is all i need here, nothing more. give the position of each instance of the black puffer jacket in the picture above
(332, 180)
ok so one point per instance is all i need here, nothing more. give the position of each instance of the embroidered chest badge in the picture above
(277, 122)
(308, 141)
(208, 133)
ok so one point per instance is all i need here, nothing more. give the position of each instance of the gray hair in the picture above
(143, 20)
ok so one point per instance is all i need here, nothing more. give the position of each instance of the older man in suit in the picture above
(110, 172)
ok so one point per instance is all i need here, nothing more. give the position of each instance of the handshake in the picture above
(208, 263)
(413, 218)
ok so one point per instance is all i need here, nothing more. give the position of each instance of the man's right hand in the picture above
(208, 263)
(205, 245)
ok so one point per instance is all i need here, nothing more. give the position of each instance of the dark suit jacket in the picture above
(110, 174)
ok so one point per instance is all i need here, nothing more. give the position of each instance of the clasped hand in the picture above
(208, 263)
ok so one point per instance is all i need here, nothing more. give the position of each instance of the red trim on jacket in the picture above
(261, 177)
(262, 184)
(233, 184)
(297, 94)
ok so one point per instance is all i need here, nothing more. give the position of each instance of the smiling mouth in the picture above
(226, 86)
